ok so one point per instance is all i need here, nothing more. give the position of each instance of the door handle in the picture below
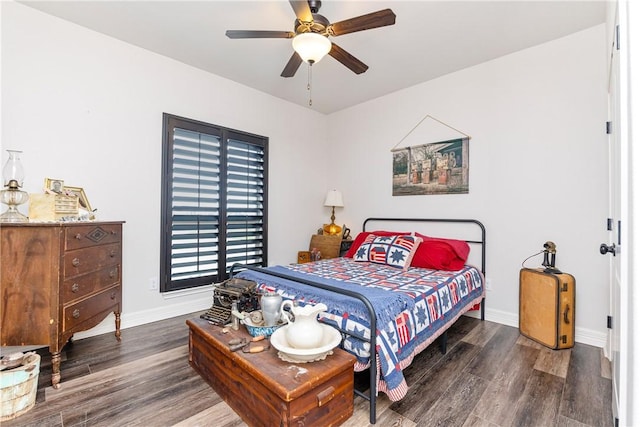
(604, 249)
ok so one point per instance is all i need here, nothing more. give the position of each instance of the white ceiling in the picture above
(429, 39)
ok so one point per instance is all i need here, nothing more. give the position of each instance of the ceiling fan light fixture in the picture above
(311, 47)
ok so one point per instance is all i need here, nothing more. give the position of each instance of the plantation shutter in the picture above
(214, 203)
(195, 208)
(245, 203)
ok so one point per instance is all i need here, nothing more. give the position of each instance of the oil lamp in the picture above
(12, 196)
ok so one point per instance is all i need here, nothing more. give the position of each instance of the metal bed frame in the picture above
(373, 385)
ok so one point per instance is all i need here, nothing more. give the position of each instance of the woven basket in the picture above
(18, 388)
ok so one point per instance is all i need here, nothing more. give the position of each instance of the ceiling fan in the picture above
(311, 35)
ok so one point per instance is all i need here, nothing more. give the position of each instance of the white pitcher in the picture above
(305, 332)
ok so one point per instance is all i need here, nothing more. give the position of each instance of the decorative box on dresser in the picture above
(57, 279)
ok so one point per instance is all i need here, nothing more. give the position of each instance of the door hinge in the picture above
(619, 232)
(609, 322)
(608, 128)
(609, 224)
(617, 37)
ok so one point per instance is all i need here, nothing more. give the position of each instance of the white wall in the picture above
(87, 108)
(538, 164)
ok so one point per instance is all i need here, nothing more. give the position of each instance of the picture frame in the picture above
(431, 168)
(83, 201)
(54, 185)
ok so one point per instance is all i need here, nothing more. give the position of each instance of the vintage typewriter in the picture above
(242, 292)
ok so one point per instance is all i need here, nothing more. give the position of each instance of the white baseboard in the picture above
(583, 335)
(591, 337)
(129, 320)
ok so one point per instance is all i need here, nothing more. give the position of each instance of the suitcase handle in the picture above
(566, 315)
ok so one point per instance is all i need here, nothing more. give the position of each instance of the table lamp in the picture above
(334, 199)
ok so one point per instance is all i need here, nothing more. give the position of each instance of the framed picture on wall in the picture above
(434, 168)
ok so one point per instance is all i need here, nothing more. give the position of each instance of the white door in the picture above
(614, 247)
(619, 248)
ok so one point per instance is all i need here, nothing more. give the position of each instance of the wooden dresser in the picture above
(57, 279)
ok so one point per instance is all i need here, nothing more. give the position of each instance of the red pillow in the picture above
(440, 254)
(357, 242)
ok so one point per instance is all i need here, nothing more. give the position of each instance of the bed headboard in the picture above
(471, 231)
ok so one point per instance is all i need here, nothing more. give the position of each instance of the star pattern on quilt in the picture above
(445, 300)
(397, 255)
(358, 332)
(358, 345)
(421, 314)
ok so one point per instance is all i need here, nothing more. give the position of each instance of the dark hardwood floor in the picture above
(490, 376)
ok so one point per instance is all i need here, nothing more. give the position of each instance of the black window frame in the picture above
(227, 137)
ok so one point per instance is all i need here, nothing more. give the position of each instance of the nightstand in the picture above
(328, 246)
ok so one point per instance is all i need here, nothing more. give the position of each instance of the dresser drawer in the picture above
(83, 236)
(76, 316)
(91, 259)
(86, 284)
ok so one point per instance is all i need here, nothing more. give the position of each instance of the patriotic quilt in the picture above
(413, 307)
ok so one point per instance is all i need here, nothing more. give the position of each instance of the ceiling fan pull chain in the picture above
(309, 84)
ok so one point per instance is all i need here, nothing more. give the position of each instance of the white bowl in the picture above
(331, 337)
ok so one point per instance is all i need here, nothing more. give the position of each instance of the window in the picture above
(214, 202)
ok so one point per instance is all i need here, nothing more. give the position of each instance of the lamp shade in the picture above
(311, 47)
(334, 198)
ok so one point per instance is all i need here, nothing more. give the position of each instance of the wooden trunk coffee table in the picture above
(266, 391)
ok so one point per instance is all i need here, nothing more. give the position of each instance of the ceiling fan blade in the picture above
(381, 18)
(292, 66)
(348, 60)
(250, 34)
(302, 10)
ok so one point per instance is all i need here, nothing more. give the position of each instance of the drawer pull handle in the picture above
(113, 273)
(76, 313)
(75, 262)
(112, 254)
(75, 288)
(326, 395)
(113, 295)
(78, 236)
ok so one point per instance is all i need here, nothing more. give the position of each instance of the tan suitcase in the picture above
(547, 307)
